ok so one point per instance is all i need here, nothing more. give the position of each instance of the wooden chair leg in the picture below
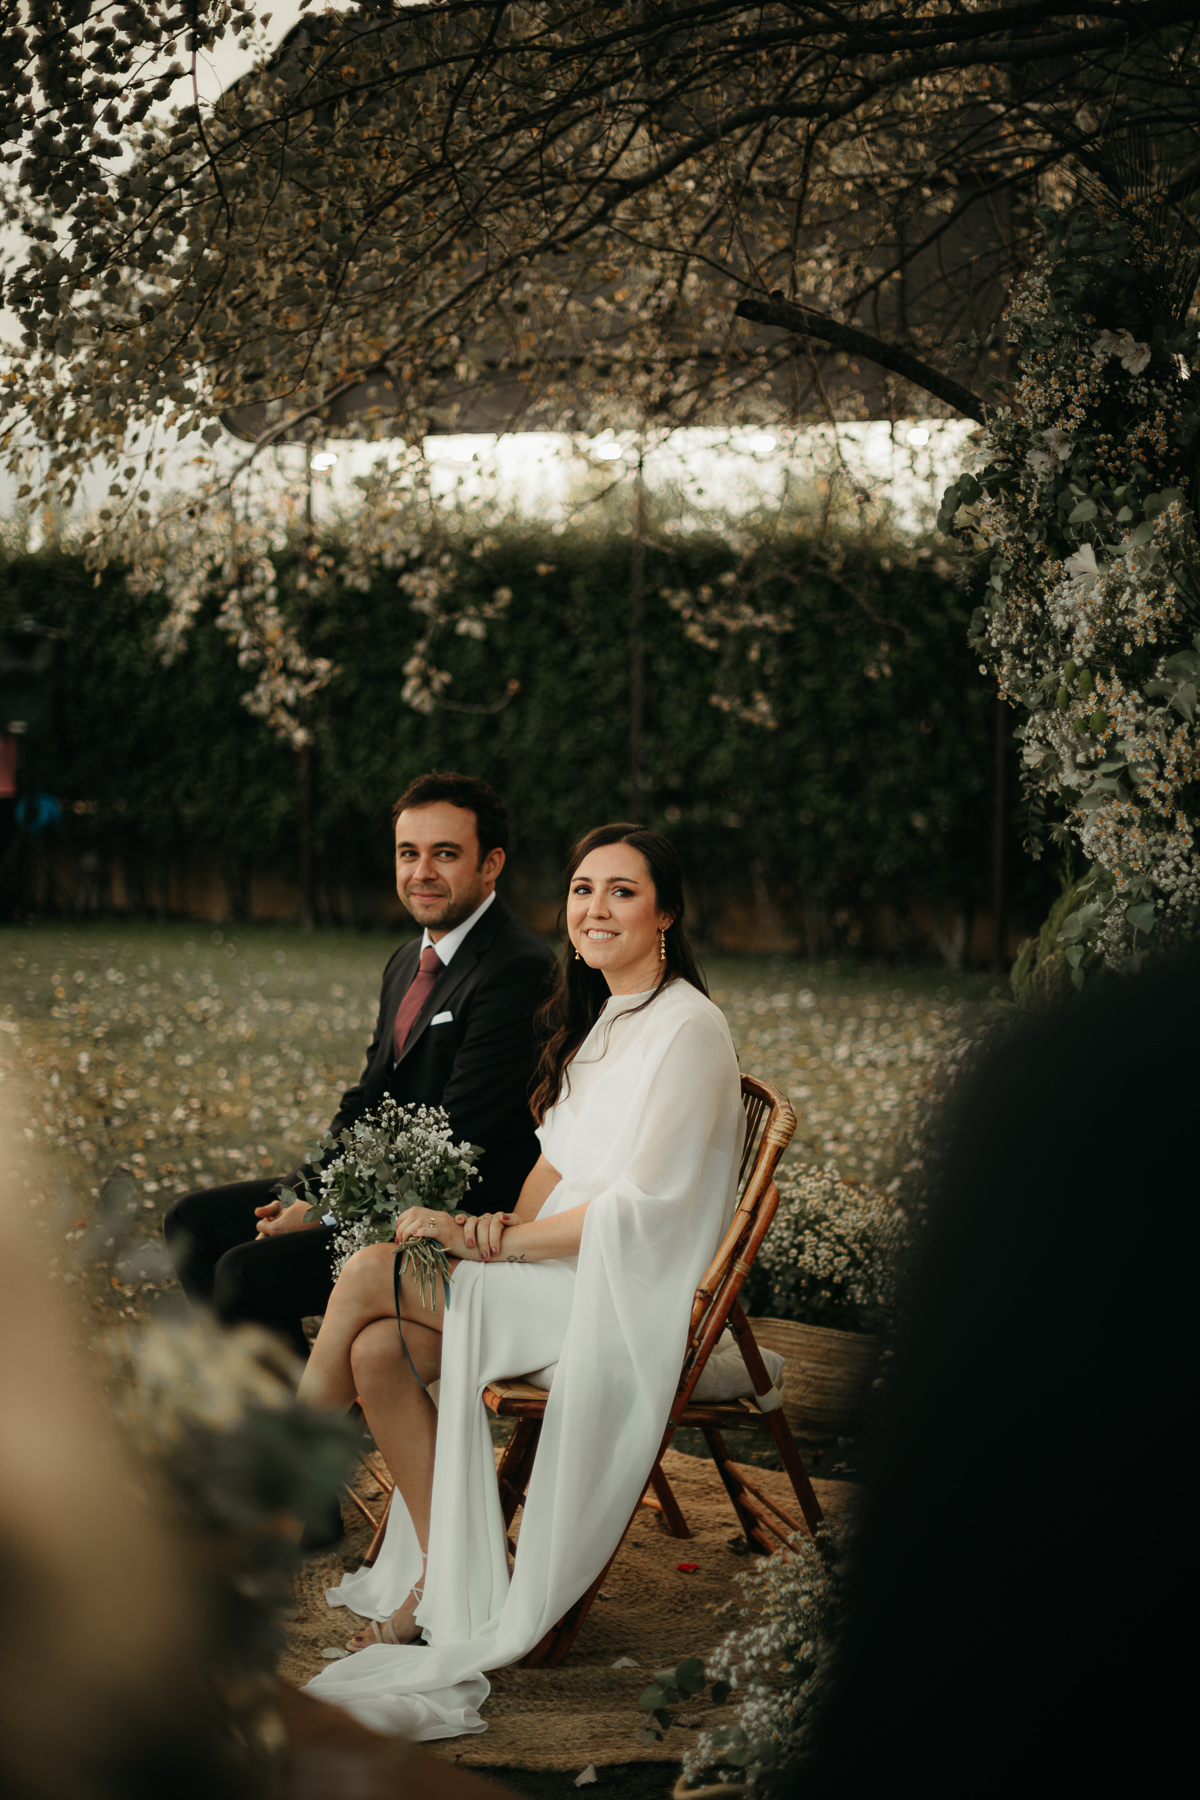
(384, 1480)
(802, 1487)
(662, 1500)
(516, 1465)
(374, 1546)
(734, 1486)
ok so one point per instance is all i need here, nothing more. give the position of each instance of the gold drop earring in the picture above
(662, 944)
(578, 958)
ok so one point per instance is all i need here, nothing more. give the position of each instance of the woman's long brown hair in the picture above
(579, 992)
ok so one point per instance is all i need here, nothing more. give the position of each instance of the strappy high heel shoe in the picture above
(374, 1632)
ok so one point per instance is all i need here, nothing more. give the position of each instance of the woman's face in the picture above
(614, 919)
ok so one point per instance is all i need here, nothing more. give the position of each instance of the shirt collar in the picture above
(447, 945)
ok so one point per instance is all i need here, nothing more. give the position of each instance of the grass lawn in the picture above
(164, 1057)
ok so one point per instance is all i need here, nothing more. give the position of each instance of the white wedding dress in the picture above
(650, 1133)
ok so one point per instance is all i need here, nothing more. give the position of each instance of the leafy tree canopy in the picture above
(475, 210)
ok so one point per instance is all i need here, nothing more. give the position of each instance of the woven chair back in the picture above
(770, 1124)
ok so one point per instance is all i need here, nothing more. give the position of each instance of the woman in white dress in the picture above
(587, 1286)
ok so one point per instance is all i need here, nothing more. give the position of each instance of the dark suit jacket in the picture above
(478, 1064)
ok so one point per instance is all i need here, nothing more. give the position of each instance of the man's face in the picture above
(439, 875)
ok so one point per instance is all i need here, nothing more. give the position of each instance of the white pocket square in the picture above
(443, 1019)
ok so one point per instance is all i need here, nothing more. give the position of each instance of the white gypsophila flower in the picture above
(833, 1253)
(387, 1160)
(1040, 461)
(779, 1666)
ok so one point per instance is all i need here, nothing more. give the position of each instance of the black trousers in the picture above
(273, 1281)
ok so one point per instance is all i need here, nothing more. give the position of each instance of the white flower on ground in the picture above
(1134, 356)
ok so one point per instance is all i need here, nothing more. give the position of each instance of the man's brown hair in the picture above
(467, 791)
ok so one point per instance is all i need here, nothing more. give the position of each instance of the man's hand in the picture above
(275, 1218)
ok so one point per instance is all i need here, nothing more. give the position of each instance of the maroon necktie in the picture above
(427, 973)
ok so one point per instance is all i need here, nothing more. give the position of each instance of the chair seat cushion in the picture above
(726, 1376)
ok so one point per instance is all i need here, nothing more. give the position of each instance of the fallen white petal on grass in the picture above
(332, 1655)
(626, 1662)
(589, 1775)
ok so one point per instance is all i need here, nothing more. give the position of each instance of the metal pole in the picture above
(308, 910)
(637, 601)
(998, 932)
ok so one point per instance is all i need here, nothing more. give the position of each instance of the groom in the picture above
(455, 1029)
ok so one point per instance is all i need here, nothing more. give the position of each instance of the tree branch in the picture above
(805, 323)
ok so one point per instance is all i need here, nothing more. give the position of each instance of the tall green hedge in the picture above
(875, 784)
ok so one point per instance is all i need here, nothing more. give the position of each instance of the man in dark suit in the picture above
(455, 1029)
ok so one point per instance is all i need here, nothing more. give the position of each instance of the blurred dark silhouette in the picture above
(1020, 1601)
(103, 1691)
(116, 1675)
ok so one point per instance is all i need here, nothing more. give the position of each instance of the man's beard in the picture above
(453, 911)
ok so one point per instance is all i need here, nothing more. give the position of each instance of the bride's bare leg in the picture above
(403, 1422)
(361, 1294)
(358, 1354)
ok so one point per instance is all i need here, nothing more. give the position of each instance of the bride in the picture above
(587, 1288)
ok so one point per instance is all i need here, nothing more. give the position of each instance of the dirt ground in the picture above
(652, 1614)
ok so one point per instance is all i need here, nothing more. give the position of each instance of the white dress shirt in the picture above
(447, 945)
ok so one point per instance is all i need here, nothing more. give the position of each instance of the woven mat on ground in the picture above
(587, 1711)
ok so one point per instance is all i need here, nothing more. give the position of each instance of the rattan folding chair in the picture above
(770, 1123)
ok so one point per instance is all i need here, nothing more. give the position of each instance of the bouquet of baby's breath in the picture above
(390, 1159)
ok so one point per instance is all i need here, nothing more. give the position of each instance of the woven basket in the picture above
(827, 1374)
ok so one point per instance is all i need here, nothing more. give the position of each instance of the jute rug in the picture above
(652, 1613)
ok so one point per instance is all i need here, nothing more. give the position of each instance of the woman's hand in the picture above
(484, 1231)
(439, 1227)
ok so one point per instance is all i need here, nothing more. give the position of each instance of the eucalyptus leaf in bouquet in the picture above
(388, 1160)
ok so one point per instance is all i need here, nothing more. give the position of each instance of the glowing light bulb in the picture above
(324, 459)
(608, 452)
(762, 443)
(918, 436)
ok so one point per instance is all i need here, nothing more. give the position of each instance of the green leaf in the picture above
(652, 1696)
(690, 1675)
(1085, 511)
(1184, 700)
(721, 1691)
(1141, 917)
(650, 1736)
